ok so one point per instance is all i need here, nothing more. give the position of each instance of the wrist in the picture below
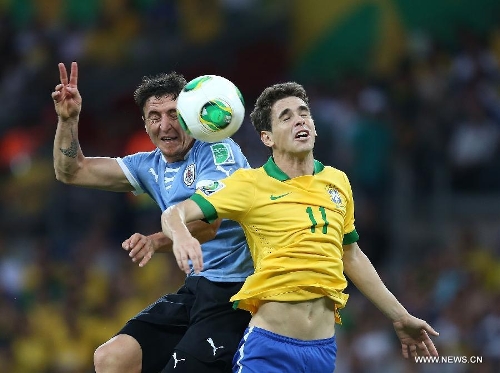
(70, 120)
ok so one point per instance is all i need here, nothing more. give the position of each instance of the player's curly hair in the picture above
(159, 85)
(261, 114)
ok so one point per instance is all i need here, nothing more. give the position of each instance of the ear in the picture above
(267, 138)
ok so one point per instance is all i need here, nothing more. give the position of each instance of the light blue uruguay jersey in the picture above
(226, 258)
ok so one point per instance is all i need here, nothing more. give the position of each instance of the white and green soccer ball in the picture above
(210, 108)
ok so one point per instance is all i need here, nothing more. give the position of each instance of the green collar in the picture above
(275, 172)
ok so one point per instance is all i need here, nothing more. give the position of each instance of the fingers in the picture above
(413, 350)
(132, 241)
(430, 330)
(424, 347)
(73, 78)
(183, 264)
(197, 262)
(145, 259)
(189, 255)
(63, 74)
(430, 347)
(139, 249)
(409, 350)
(404, 350)
(56, 94)
(126, 244)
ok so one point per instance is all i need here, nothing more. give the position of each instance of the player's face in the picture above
(163, 128)
(293, 129)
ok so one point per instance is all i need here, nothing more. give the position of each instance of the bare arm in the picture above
(411, 331)
(70, 165)
(361, 272)
(174, 225)
(143, 247)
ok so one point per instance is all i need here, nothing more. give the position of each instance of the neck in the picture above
(295, 166)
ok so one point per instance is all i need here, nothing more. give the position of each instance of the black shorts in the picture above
(198, 320)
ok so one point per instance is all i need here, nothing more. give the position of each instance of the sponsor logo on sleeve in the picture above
(209, 187)
(222, 154)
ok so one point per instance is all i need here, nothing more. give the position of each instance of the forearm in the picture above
(161, 243)
(363, 275)
(67, 152)
(173, 223)
(176, 219)
(200, 230)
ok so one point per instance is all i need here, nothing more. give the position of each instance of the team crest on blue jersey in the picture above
(222, 153)
(210, 187)
(335, 196)
(189, 174)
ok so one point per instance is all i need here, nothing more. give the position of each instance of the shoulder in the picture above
(154, 154)
(249, 173)
(334, 171)
(335, 174)
(225, 152)
(209, 146)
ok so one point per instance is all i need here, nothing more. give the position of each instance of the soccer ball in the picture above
(210, 108)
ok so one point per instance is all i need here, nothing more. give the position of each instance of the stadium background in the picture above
(406, 97)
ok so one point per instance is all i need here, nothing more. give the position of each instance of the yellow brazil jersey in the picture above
(295, 229)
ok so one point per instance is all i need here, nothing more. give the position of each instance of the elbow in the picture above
(214, 227)
(60, 177)
(208, 231)
(64, 178)
(211, 234)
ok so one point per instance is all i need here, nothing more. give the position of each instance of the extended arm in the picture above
(70, 165)
(174, 225)
(411, 331)
(143, 247)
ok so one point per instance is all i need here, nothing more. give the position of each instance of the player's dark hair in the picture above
(261, 114)
(170, 84)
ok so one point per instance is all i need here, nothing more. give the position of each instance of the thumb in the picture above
(429, 329)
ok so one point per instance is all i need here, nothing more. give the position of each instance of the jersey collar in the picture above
(275, 172)
(186, 156)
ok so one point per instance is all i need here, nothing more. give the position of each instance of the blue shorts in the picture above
(263, 351)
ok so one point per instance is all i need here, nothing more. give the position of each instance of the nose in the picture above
(165, 122)
(300, 121)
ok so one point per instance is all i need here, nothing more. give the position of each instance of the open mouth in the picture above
(168, 138)
(302, 134)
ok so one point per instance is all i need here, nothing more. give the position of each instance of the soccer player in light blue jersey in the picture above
(196, 329)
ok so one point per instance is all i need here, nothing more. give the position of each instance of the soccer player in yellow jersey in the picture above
(298, 218)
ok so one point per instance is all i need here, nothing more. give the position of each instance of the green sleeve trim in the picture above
(350, 238)
(235, 304)
(206, 207)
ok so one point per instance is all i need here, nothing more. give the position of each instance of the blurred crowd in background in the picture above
(406, 99)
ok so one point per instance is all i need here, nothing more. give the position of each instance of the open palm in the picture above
(413, 333)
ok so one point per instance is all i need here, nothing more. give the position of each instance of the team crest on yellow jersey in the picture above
(335, 196)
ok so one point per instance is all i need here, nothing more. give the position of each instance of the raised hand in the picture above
(67, 99)
(413, 334)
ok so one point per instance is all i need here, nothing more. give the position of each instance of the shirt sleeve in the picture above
(129, 167)
(350, 234)
(216, 161)
(229, 198)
